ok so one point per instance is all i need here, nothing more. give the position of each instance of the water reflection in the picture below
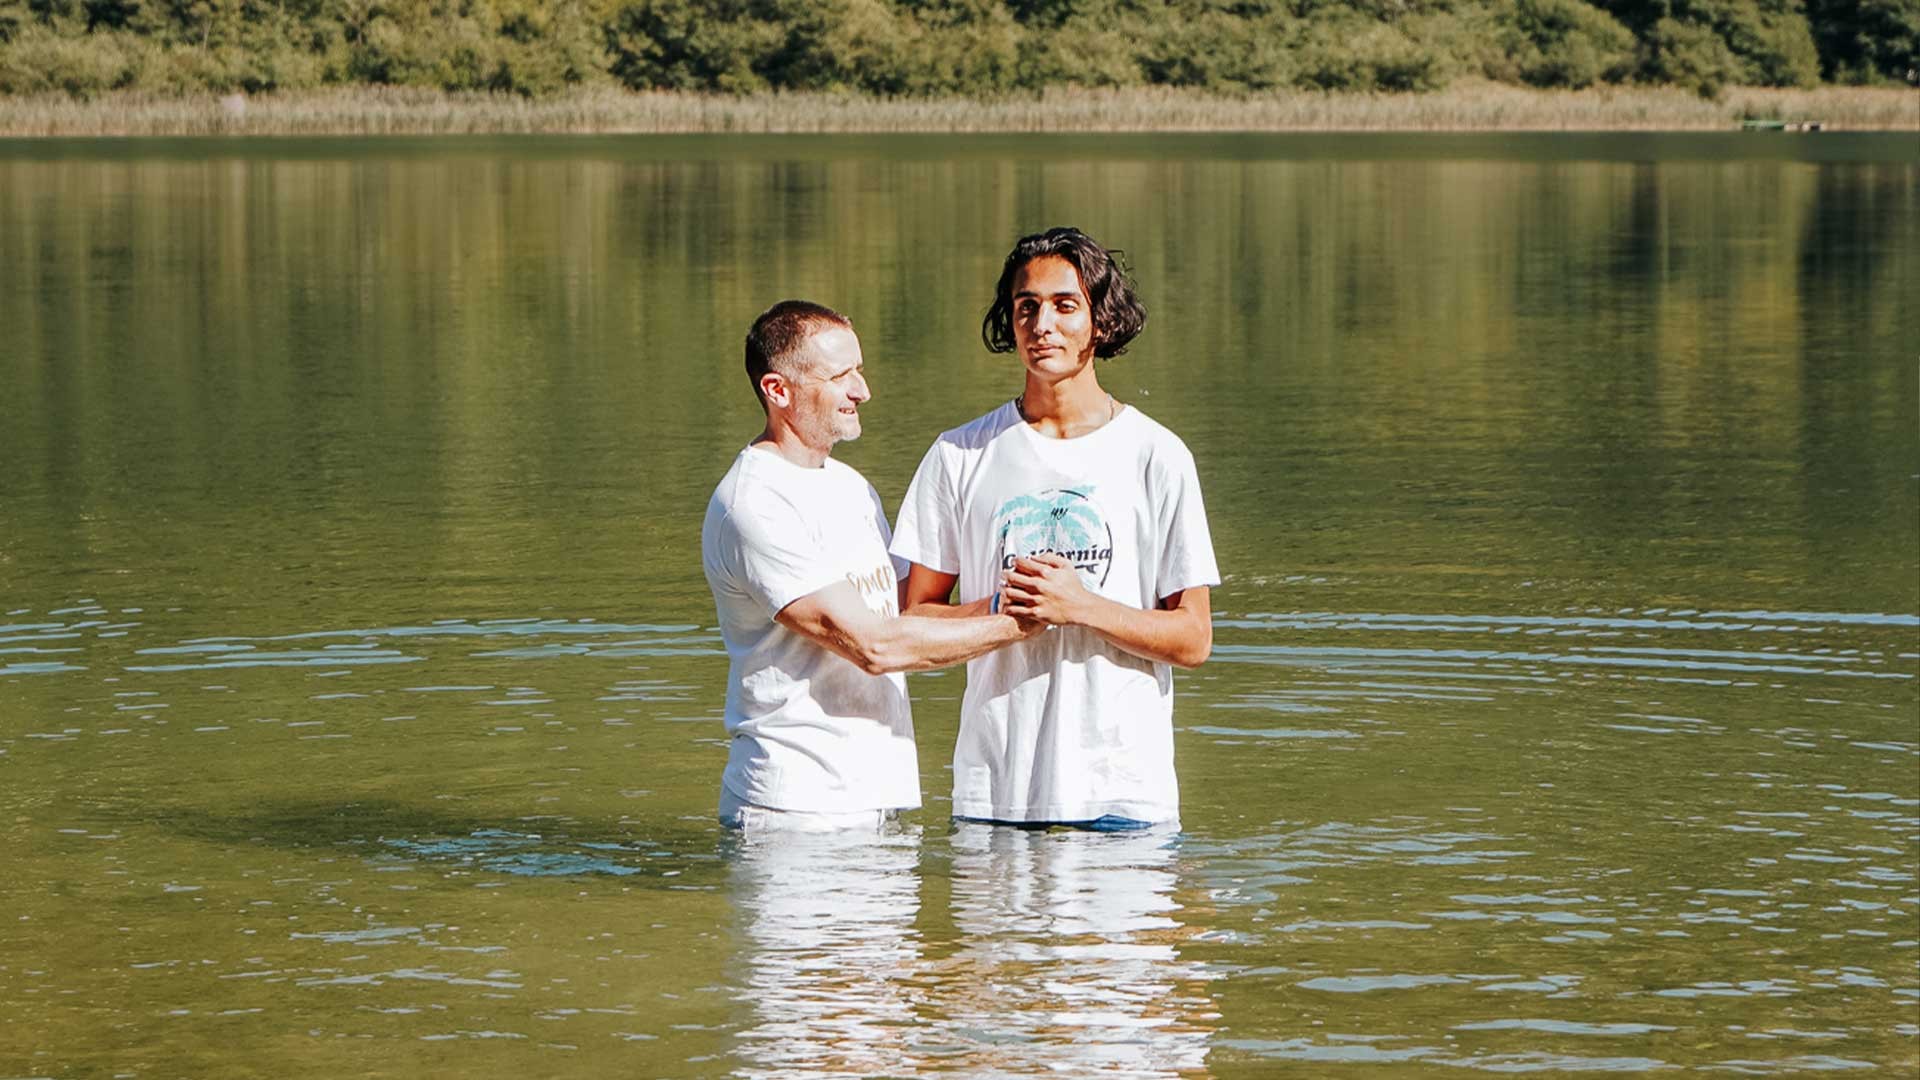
(831, 953)
(1068, 959)
(1566, 672)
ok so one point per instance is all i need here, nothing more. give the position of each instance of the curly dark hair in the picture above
(1117, 313)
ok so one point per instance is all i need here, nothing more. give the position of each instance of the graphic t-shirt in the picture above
(811, 731)
(1063, 726)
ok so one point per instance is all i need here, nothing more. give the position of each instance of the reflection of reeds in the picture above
(1480, 106)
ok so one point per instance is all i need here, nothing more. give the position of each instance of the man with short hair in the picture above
(795, 551)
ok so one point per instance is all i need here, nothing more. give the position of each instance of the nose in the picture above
(860, 391)
(1045, 320)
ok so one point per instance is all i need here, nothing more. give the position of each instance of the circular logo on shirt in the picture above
(1065, 521)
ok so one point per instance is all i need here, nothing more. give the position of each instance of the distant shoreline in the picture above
(1463, 107)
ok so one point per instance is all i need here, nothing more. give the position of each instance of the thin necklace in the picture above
(1113, 408)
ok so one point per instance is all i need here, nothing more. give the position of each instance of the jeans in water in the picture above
(1103, 823)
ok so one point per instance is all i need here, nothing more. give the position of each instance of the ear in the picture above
(774, 387)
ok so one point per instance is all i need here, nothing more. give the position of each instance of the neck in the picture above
(786, 442)
(1072, 406)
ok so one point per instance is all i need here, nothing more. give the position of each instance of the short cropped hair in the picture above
(1117, 313)
(781, 333)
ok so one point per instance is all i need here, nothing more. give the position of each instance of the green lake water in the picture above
(359, 691)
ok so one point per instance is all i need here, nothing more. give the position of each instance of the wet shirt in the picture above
(810, 730)
(1063, 726)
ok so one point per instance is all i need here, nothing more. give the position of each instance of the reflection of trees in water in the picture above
(1066, 958)
(1858, 265)
(830, 954)
(1617, 353)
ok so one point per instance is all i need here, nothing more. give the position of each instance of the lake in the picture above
(360, 697)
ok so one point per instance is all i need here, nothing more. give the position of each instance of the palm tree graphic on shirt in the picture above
(1063, 520)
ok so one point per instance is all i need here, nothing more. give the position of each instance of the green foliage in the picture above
(41, 59)
(1563, 43)
(1220, 51)
(858, 45)
(682, 45)
(979, 56)
(1707, 43)
(1691, 55)
(14, 16)
(1085, 51)
(1866, 41)
(923, 47)
(1355, 54)
(852, 45)
(504, 45)
(1771, 38)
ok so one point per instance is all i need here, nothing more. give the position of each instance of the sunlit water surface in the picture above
(359, 694)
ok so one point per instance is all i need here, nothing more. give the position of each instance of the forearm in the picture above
(944, 609)
(837, 618)
(918, 641)
(1178, 636)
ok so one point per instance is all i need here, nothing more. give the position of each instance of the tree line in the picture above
(946, 47)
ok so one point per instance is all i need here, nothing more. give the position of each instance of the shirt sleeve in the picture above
(900, 566)
(1186, 556)
(779, 557)
(928, 530)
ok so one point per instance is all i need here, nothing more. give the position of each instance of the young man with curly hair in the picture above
(1068, 507)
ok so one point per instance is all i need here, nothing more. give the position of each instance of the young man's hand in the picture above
(1045, 587)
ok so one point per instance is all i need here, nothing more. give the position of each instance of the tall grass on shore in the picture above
(1481, 106)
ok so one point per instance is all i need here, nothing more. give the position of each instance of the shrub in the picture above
(1564, 43)
(1768, 41)
(682, 45)
(1772, 39)
(1692, 56)
(1218, 51)
(14, 17)
(845, 45)
(511, 45)
(1864, 41)
(1350, 55)
(913, 47)
(40, 60)
(978, 56)
(1082, 52)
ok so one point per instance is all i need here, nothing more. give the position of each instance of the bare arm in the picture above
(929, 593)
(1046, 587)
(836, 618)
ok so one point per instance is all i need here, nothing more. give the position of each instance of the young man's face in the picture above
(827, 389)
(1052, 321)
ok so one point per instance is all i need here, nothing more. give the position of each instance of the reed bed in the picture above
(1476, 106)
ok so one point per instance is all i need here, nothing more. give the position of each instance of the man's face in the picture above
(827, 387)
(1052, 321)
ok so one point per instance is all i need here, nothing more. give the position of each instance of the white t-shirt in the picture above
(1063, 726)
(811, 731)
